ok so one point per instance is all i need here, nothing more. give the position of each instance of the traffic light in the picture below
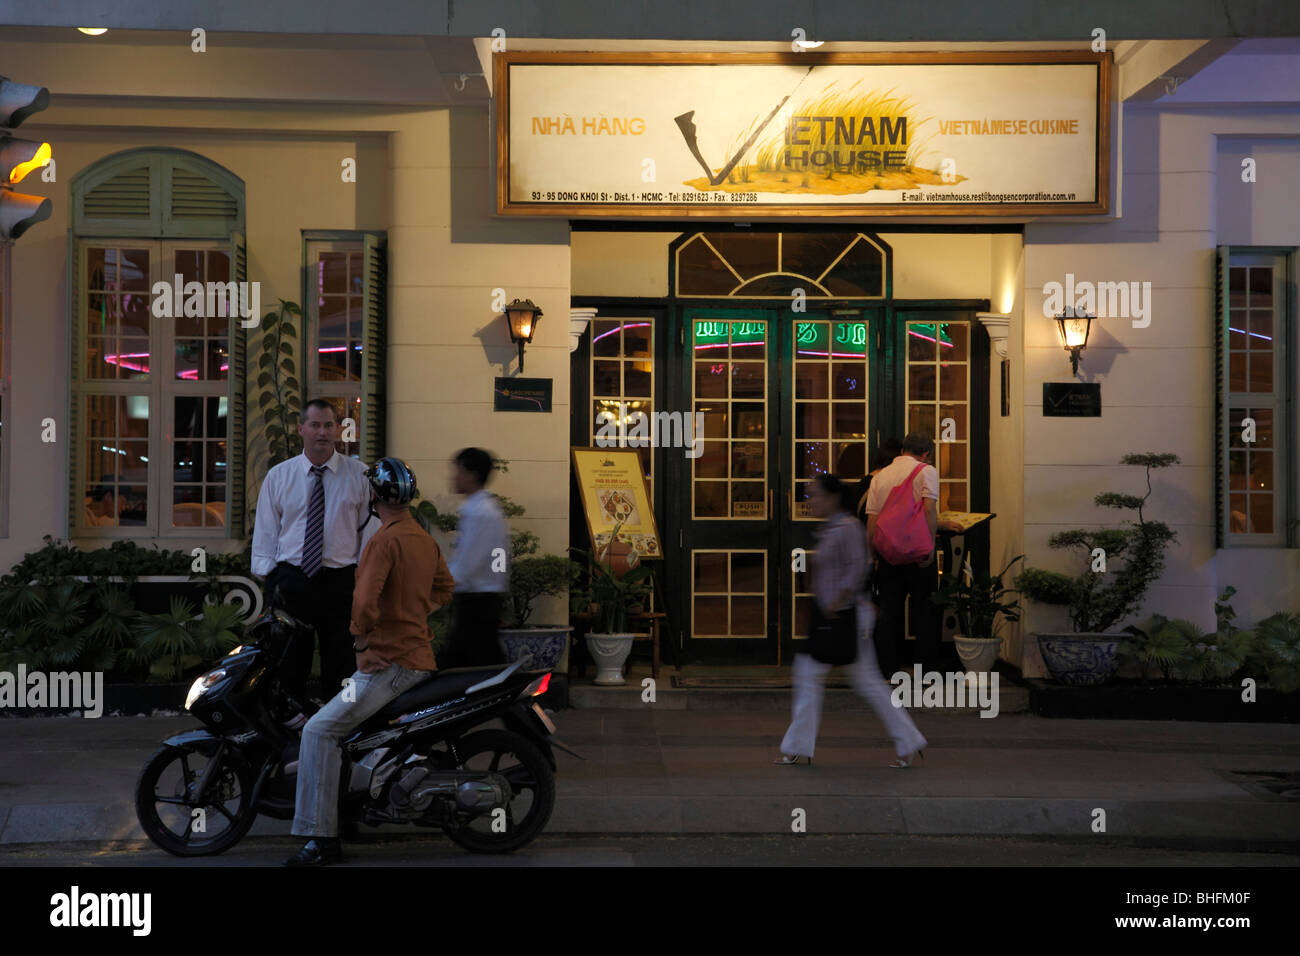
(18, 157)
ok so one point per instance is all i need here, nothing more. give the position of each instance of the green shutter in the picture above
(373, 354)
(1221, 259)
(76, 363)
(236, 440)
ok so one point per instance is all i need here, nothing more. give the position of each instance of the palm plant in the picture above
(979, 602)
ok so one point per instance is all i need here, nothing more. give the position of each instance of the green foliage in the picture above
(979, 602)
(57, 561)
(181, 641)
(547, 575)
(51, 621)
(280, 399)
(1278, 639)
(1134, 555)
(613, 595)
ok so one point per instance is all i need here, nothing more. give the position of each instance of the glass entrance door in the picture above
(783, 397)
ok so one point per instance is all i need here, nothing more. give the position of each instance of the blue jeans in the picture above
(320, 757)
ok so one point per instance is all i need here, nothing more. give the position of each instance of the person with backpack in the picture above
(902, 520)
(840, 632)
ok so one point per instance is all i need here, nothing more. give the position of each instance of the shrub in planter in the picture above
(1119, 565)
(1278, 644)
(980, 606)
(177, 644)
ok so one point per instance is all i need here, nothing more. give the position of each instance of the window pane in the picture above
(850, 380)
(1261, 287)
(952, 382)
(1261, 371)
(954, 342)
(332, 272)
(1237, 372)
(710, 571)
(636, 379)
(810, 379)
(605, 337)
(810, 420)
(1261, 514)
(747, 616)
(636, 340)
(711, 379)
(747, 379)
(711, 498)
(921, 383)
(605, 378)
(747, 420)
(747, 460)
(850, 420)
(135, 505)
(920, 343)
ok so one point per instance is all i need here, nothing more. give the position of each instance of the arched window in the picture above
(157, 270)
(770, 265)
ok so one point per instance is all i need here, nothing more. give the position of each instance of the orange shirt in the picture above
(402, 576)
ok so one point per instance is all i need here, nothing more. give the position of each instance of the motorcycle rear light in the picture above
(538, 687)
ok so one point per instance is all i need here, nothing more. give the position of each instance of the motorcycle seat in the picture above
(442, 685)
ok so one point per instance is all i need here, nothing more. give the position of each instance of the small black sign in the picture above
(1072, 399)
(522, 394)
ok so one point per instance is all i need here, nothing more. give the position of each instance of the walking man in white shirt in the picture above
(895, 583)
(478, 563)
(307, 539)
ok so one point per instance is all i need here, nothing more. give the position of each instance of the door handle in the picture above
(769, 504)
(789, 503)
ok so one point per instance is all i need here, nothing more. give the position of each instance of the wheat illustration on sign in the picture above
(836, 143)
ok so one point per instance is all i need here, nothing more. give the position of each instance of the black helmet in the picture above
(392, 482)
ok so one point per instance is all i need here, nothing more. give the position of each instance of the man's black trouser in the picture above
(475, 620)
(895, 583)
(325, 602)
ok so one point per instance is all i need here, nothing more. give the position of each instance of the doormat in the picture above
(750, 683)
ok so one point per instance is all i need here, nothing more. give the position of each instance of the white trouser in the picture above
(809, 687)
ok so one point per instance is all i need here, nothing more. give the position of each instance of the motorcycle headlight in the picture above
(202, 684)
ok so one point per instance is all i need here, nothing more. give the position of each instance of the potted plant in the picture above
(1119, 565)
(613, 595)
(980, 607)
(533, 577)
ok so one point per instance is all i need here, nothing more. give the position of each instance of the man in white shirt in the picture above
(896, 583)
(479, 564)
(306, 542)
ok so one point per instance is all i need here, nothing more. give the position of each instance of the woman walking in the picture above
(839, 571)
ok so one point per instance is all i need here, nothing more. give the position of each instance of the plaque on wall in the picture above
(1072, 399)
(522, 394)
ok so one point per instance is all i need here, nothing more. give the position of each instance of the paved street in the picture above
(651, 775)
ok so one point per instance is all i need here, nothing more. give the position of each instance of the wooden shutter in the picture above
(1221, 260)
(76, 363)
(374, 342)
(237, 421)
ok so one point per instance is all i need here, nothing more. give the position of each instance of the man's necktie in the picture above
(313, 545)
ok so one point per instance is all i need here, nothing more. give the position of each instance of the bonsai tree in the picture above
(1133, 557)
(533, 577)
(979, 602)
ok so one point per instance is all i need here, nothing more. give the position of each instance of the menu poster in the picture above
(614, 494)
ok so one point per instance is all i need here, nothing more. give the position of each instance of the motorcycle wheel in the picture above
(530, 805)
(166, 809)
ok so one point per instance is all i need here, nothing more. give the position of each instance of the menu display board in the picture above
(614, 493)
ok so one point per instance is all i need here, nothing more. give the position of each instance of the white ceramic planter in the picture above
(978, 654)
(609, 651)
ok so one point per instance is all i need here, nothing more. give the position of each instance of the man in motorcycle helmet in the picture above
(401, 579)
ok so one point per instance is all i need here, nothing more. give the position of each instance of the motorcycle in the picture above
(424, 759)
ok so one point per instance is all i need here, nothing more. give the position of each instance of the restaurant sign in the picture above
(753, 135)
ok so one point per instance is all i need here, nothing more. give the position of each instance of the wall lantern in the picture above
(522, 317)
(1074, 334)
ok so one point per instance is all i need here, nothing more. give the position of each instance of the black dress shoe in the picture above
(318, 851)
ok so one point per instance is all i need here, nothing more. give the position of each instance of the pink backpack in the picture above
(902, 534)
